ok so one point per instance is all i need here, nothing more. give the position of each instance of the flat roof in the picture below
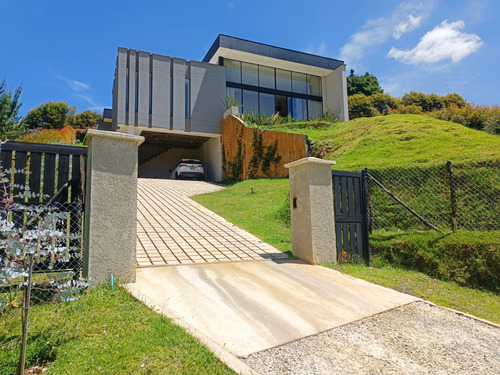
(231, 47)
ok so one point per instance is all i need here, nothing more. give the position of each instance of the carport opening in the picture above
(160, 153)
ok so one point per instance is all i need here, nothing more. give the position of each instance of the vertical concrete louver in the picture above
(150, 91)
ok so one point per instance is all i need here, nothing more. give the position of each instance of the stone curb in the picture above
(458, 312)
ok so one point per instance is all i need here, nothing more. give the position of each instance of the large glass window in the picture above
(249, 74)
(315, 109)
(283, 80)
(299, 83)
(266, 77)
(234, 95)
(314, 85)
(299, 109)
(250, 102)
(233, 71)
(268, 86)
(281, 105)
(267, 105)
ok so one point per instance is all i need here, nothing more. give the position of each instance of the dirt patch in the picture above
(414, 339)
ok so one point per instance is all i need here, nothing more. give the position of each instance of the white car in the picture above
(188, 169)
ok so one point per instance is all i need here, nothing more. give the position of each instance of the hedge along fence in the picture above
(469, 258)
(252, 153)
(470, 194)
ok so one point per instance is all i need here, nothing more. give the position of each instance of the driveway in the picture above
(261, 313)
(173, 229)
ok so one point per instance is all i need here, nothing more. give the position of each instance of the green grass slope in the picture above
(398, 140)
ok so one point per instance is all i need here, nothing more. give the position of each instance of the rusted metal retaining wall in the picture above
(250, 152)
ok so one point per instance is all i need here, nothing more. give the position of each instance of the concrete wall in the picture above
(212, 150)
(152, 79)
(335, 93)
(207, 97)
(311, 210)
(110, 206)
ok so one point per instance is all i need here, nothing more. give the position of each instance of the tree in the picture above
(49, 115)
(86, 119)
(10, 119)
(366, 84)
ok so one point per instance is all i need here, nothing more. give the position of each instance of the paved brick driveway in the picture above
(173, 229)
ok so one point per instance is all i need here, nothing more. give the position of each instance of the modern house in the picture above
(178, 105)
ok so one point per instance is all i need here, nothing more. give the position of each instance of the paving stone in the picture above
(172, 229)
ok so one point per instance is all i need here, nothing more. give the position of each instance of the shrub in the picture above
(384, 103)
(419, 99)
(454, 99)
(360, 105)
(470, 258)
(476, 117)
(66, 135)
(412, 109)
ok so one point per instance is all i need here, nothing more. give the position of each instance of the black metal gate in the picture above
(351, 215)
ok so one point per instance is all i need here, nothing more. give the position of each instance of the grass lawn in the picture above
(483, 304)
(104, 332)
(398, 140)
(257, 206)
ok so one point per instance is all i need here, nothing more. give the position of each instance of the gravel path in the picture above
(414, 339)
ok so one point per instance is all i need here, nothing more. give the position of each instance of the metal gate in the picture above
(351, 215)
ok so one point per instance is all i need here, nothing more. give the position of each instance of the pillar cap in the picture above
(309, 160)
(91, 133)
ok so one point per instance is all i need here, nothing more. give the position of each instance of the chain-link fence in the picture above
(448, 196)
(53, 266)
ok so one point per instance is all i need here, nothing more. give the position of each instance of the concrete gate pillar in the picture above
(110, 206)
(312, 214)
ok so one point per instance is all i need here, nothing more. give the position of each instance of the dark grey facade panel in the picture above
(266, 50)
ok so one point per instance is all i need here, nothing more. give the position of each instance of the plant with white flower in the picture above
(32, 235)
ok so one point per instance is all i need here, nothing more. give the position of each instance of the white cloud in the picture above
(75, 85)
(445, 41)
(317, 50)
(411, 23)
(404, 18)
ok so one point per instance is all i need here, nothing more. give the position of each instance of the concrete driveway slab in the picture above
(247, 307)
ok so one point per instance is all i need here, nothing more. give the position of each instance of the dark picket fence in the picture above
(56, 175)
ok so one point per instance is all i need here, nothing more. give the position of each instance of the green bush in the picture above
(360, 105)
(469, 258)
(411, 109)
(476, 117)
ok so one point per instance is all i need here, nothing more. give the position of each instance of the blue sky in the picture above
(66, 50)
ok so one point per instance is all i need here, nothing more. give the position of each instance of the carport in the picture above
(161, 151)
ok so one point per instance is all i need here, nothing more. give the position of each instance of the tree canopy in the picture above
(10, 119)
(49, 115)
(366, 84)
(84, 120)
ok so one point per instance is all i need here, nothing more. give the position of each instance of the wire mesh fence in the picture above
(53, 267)
(448, 196)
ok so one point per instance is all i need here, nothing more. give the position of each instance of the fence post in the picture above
(453, 197)
(312, 214)
(110, 206)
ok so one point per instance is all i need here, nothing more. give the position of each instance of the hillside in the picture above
(397, 140)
